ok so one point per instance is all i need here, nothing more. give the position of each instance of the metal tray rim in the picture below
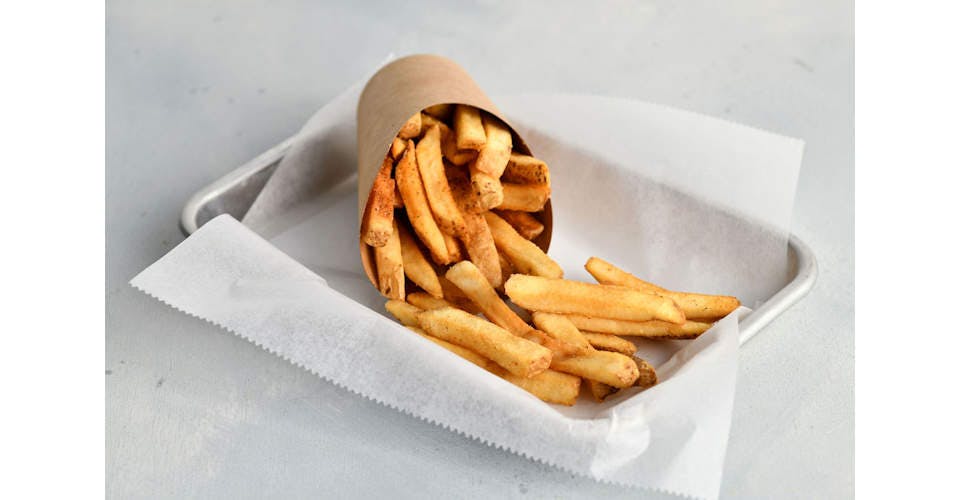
(750, 325)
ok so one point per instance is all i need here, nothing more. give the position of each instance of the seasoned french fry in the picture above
(468, 127)
(524, 255)
(390, 266)
(416, 266)
(411, 128)
(524, 197)
(440, 111)
(477, 237)
(405, 313)
(573, 297)
(396, 149)
(417, 206)
(524, 223)
(427, 302)
(607, 342)
(693, 305)
(611, 368)
(648, 376)
(397, 199)
(486, 187)
(518, 356)
(377, 224)
(453, 295)
(448, 142)
(559, 327)
(495, 153)
(653, 329)
(524, 169)
(435, 184)
(506, 269)
(453, 247)
(601, 391)
(550, 386)
(468, 278)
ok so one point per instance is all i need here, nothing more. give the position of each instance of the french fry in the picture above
(435, 184)
(377, 221)
(506, 269)
(524, 169)
(561, 328)
(397, 199)
(648, 376)
(405, 313)
(448, 142)
(411, 128)
(416, 266)
(468, 127)
(573, 297)
(524, 223)
(487, 188)
(477, 237)
(611, 368)
(440, 111)
(549, 385)
(693, 305)
(417, 206)
(525, 256)
(427, 302)
(524, 197)
(396, 149)
(518, 356)
(653, 329)
(453, 295)
(390, 266)
(495, 153)
(607, 342)
(601, 391)
(453, 247)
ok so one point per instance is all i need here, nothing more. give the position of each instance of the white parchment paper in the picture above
(687, 201)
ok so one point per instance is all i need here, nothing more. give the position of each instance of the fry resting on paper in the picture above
(649, 329)
(608, 367)
(405, 313)
(525, 256)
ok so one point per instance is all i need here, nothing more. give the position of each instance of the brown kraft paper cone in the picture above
(394, 94)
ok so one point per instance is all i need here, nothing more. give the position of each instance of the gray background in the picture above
(197, 88)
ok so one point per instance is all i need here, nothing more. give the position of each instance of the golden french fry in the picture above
(524, 197)
(653, 329)
(435, 184)
(411, 128)
(453, 295)
(396, 149)
(560, 328)
(506, 269)
(397, 199)
(487, 188)
(427, 302)
(495, 153)
(573, 297)
(524, 169)
(525, 224)
(405, 313)
(601, 391)
(693, 305)
(440, 111)
(468, 127)
(525, 256)
(607, 342)
(453, 247)
(377, 221)
(518, 356)
(648, 376)
(477, 237)
(417, 206)
(611, 368)
(416, 266)
(390, 266)
(448, 142)
(550, 386)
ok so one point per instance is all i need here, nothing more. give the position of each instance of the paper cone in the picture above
(394, 94)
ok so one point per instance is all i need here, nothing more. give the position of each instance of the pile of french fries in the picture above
(451, 218)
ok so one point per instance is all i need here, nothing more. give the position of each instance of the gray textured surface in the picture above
(196, 88)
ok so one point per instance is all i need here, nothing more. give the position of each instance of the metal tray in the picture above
(234, 193)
